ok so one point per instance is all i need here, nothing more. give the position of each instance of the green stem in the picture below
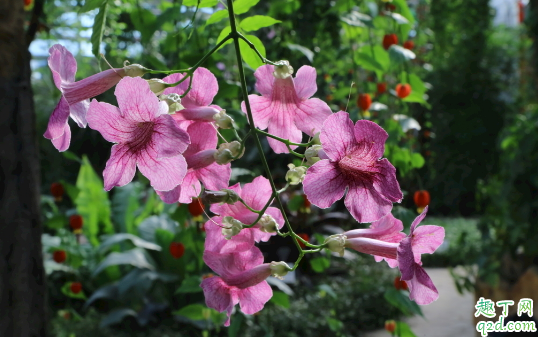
(285, 141)
(247, 206)
(244, 91)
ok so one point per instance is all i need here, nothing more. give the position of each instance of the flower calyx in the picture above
(296, 174)
(267, 224)
(228, 152)
(223, 196)
(336, 243)
(279, 269)
(134, 70)
(231, 227)
(157, 85)
(174, 102)
(312, 154)
(282, 69)
(223, 120)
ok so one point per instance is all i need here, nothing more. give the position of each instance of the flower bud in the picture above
(282, 70)
(223, 120)
(228, 152)
(134, 70)
(157, 86)
(311, 154)
(223, 196)
(267, 224)
(295, 175)
(316, 139)
(279, 269)
(231, 227)
(174, 102)
(335, 243)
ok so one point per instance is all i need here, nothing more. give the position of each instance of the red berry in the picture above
(59, 256)
(390, 7)
(403, 90)
(305, 237)
(390, 326)
(400, 284)
(177, 249)
(76, 221)
(364, 101)
(427, 134)
(381, 88)
(389, 40)
(196, 207)
(306, 202)
(28, 2)
(421, 198)
(76, 287)
(57, 191)
(409, 45)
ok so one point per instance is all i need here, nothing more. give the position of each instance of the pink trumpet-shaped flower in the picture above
(387, 229)
(354, 153)
(242, 280)
(198, 100)
(255, 194)
(201, 166)
(425, 239)
(285, 107)
(92, 86)
(145, 135)
(63, 67)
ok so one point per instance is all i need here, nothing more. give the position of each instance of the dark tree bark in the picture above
(22, 277)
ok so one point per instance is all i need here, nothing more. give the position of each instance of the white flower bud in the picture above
(223, 120)
(279, 269)
(282, 70)
(231, 227)
(223, 196)
(157, 86)
(335, 243)
(316, 139)
(267, 224)
(174, 102)
(311, 154)
(134, 70)
(228, 152)
(295, 175)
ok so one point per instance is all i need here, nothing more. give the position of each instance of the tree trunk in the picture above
(22, 277)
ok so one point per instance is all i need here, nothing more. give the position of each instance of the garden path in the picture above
(451, 315)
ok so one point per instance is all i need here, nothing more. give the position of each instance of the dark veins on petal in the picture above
(141, 137)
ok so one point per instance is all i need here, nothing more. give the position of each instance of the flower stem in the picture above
(285, 141)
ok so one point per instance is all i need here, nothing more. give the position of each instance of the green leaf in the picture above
(92, 203)
(256, 22)
(417, 160)
(139, 281)
(223, 34)
(305, 51)
(124, 205)
(416, 97)
(319, 264)
(400, 19)
(120, 237)
(66, 290)
(399, 54)
(404, 330)
(242, 6)
(70, 155)
(249, 55)
(296, 202)
(217, 16)
(334, 324)
(192, 311)
(116, 316)
(148, 227)
(99, 28)
(190, 285)
(367, 62)
(71, 190)
(327, 289)
(416, 83)
(401, 301)
(203, 3)
(405, 215)
(134, 257)
(404, 10)
(91, 4)
(108, 291)
(145, 22)
(57, 221)
(357, 19)
(281, 299)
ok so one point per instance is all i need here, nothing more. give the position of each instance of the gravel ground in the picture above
(451, 315)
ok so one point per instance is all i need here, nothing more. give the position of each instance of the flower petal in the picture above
(203, 90)
(62, 143)
(168, 138)
(92, 86)
(371, 137)
(253, 299)
(406, 260)
(136, 101)
(216, 242)
(172, 196)
(215, 177)
(78, 112)
(219, 296)
(418, 219)
(282, 125)
(324, 184)
(426, 239)
(58, 120)
(257, 193)
(421, 287)
(385, 182)
(310, 115)
(164, 173)
(264, 80)
(190, 187)
(203, 137)
(107, 119)
(338, 136)
(120, 167)
(365, 204)
(305, 82)
(62, 64)
(261, 108)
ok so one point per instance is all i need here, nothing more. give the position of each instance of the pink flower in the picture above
(63, 67)
(198, 99)
(256, 195)
(425, 239)
(201, 166)
(145, 135)
(242, 280)
(354, 162)
(387, 229)
(284, 107)
(92, 86)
